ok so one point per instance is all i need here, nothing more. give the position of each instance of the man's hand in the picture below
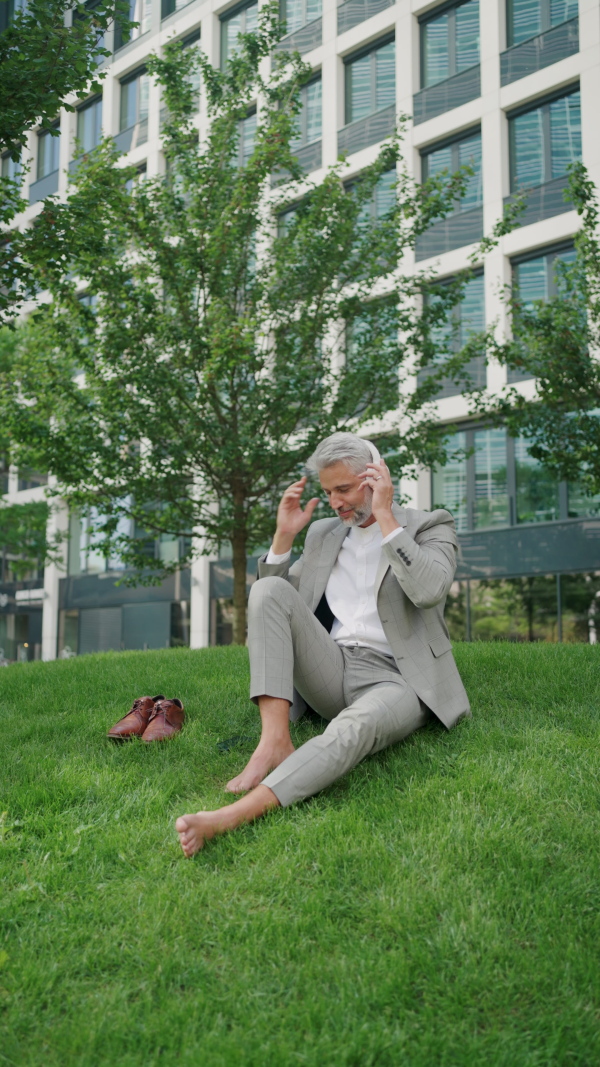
(291, 518)
(378, 478)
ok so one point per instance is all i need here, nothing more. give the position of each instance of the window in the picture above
(135, 91)
(11, 168)
(193, 41)
(449, 483)
(497, 484)
(297, 13)
(48, 152)
(140, 12)
(241, 20)
(545, 140)
(247, 138)
(449, 42)
(89, 124)
(466, 318)
(8, 10)
(384, 198)
(450, 157)
(528, 18)
(308, 122)
(491, 487)
(169, 6)
(536, 488)
(370, 81)
(539, 277)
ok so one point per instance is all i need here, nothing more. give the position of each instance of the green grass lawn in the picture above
(439, 906)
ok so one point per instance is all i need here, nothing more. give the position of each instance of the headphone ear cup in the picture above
(374, 453)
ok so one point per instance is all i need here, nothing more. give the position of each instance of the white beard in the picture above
(361, 514)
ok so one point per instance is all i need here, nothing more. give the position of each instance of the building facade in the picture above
(509, 87)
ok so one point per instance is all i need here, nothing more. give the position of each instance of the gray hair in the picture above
(346, 448)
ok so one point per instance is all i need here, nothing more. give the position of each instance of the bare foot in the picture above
(195, 830)
(265, 758)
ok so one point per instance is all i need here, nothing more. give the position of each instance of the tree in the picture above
(557, 342)
(241, 313)
(49, 50)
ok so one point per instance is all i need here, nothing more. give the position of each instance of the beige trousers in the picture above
(360, 691)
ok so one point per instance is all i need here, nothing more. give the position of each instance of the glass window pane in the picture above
(313, 111)
(385, 76)
(359, 74)
(491, 492)
(89, 125)
(561, 10)
(581, 503)
(531, 279)
(469, 153)
(385, 193)
(230, 29)
(144, 96)
(556, 278)
(537, 489)
(436, 58)
(128, 112)
(449, 484)
(525, 21)
(472, 308)
(467, 35)
(250, 22)
(528, 149)
(313, 9)
(48, 154)
(565, 133)
(293, 13)
(435, 162)
(247, 137)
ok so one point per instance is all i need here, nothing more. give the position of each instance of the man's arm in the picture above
(291, 519)
(425, 570)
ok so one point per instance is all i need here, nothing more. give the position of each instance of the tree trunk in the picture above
(238, 545)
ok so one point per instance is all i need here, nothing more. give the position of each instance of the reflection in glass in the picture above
(244, 21)
(582, 503)
(528, 18)
(537, 488)
(450, 158)
(297, 13)
(450, 43)
(449, 484)
(491, 490)
(371, 82)
(545, 141)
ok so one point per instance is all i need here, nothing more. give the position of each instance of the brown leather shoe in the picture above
(165, 720)
(135, 722)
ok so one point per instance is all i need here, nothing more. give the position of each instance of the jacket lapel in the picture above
(330, 546)
(400, 516)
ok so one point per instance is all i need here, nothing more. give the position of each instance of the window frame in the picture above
(44, 133)
(450, 142)
(93, 101)
(545, 22)
(543, 102)
(368, 50)
(127, 79)
(449, 7)
(225, 18)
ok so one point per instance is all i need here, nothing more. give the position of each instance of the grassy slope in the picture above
(437, 907)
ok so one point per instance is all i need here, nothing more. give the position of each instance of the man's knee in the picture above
(270, 588)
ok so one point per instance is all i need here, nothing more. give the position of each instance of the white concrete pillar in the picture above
(200, 603)
(58, 522)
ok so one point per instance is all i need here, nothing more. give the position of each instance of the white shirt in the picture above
(350, 590)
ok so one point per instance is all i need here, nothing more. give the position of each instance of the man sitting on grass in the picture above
(355, 626)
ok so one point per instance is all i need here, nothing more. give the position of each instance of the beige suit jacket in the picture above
(415, 573)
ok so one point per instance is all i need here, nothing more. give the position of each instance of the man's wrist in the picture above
(282, 543)
(387, 523)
